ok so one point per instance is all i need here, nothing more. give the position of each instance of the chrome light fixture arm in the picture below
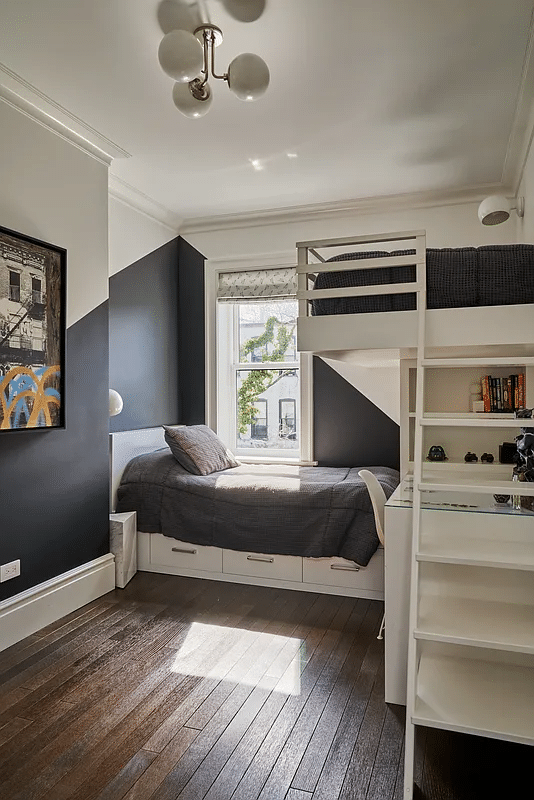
(210, 36)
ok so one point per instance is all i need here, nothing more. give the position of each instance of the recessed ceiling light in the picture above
(292, 155)
(256, 163)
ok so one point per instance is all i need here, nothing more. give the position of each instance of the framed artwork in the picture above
(32, 333)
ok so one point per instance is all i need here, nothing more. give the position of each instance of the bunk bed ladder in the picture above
(417, 479)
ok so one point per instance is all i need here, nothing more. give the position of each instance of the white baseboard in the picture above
(27, 612)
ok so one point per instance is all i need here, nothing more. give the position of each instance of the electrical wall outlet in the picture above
(11, 570)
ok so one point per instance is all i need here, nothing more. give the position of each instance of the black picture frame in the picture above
(32, 333)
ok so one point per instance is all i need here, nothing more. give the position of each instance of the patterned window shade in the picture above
(258, 284)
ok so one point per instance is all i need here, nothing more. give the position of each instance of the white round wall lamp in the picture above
(496, 209)
(115, 403)
(189, 58)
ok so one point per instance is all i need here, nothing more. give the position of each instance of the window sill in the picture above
(274, 460)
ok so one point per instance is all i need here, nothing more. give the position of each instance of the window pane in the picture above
(258, 401)
(287, 419)
(267, 331)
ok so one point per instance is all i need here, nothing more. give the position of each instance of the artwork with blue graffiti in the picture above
(32, 333)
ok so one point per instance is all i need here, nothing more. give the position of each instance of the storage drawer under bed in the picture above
(260, 565)
(340, 572)
(167, 552)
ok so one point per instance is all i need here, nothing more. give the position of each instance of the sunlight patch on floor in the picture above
(275, 658)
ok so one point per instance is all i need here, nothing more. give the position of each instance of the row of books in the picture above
(503, 394)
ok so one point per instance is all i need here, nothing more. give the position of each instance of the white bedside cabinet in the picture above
(123, 545)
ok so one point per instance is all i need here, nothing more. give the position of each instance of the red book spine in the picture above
(521, 393)
(486, 394)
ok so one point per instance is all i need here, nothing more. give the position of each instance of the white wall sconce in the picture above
(496, 209)
(115, 403)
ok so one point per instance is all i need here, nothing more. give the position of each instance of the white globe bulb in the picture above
(181, 56)
(248, 76)
(115, 403)
(187, 103)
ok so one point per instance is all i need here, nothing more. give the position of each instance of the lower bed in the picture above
(304, 527)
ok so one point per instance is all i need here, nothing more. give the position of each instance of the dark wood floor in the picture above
(181, 688)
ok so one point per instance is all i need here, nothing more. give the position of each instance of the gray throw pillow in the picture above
(198, 449)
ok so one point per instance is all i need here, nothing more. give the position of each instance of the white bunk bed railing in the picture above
(307, 271)
(459, 327)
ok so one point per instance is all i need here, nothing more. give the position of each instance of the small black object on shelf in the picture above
(507, 453)
(436, 453)
(502, 499)
(470, 457)
(487, 458)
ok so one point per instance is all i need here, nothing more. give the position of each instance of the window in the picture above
(258, 428)
(37, 295)
(256, 379)
(287, 418)
(14, 286)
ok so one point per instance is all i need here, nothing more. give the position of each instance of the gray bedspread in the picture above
(289, 510)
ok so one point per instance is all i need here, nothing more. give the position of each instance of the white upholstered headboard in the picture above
(125, 445)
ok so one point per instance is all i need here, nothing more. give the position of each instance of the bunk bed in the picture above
(365, 299)
(459, 647)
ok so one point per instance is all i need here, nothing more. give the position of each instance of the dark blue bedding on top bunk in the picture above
(491, 275)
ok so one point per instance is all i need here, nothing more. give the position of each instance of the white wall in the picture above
(133, 235)
(525, 226)
(446, 226)
(53, 191)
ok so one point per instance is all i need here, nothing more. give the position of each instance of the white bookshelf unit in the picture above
(471, 642)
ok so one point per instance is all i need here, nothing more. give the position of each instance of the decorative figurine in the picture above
(436, 453)
(524, 458)
(487, 458)
(470, 457)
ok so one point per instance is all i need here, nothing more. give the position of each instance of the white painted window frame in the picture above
(212, 269)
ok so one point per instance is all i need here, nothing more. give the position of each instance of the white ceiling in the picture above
(375, 97)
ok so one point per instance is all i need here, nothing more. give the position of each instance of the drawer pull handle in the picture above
(184, 550)
(345, 567)
(265, 559)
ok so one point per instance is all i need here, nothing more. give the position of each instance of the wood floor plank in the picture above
(162, 765)
(309, 770)
(279, 780)
(239, 761)
(297, 794)
(13, 728)
(336, 764)
(358, 775)
(257, 773)
(388, 754)
(178, 778)
(128, 776)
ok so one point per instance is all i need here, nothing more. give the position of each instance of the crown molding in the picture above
(522, 130)
(365, 205)
(142, 203)
(21, 95)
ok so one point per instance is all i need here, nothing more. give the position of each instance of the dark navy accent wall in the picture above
(143, 340)
(54, 485)
(349, 430)
(191, 334)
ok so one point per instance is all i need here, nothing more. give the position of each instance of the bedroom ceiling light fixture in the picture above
(189, 58)
(496, 209)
